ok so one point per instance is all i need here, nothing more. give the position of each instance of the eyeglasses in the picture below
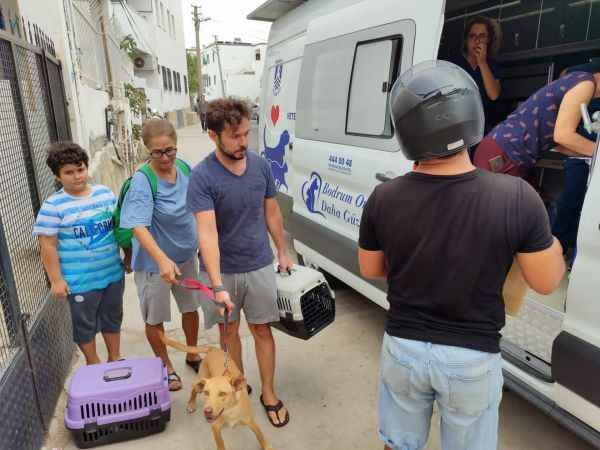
(157, 154)
(478, 37)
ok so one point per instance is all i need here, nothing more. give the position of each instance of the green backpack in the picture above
(124, 235)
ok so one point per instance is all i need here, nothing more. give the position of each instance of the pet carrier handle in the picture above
(122, 373)
(289, 270)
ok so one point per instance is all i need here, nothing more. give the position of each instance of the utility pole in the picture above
(197, 15)
(104, 32)
(220, 68)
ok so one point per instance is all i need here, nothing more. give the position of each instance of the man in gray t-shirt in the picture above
(232, 195)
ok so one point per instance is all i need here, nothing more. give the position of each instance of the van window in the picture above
(344, 83)
(374, 69)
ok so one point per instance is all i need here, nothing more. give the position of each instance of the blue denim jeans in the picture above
(565, 222)
(466, 384)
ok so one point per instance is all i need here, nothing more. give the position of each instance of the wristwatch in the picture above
(219, 288)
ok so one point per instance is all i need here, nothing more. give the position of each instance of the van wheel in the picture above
(334, 283)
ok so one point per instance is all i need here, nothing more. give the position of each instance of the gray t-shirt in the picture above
(238, 203)
(166, 217)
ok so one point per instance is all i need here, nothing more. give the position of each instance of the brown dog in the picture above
(226, 401)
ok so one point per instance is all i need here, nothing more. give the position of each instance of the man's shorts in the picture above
(100, 310)
(155, 294)
(255, 292)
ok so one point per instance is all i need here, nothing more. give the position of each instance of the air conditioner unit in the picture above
(145, 62)
(139, 62)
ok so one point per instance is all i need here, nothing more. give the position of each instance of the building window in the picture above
(215, 79)
(162, 16)
(156, 12)
(169, 80)
(257, 54)
(213, 56)
(164, 75)
(173, 21)
(185, 87)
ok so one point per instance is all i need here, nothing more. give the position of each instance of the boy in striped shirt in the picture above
(79, 251)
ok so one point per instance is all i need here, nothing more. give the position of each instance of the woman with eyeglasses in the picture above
(480, 41)
(165, 244)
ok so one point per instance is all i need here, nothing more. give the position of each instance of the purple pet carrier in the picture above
(116, 401)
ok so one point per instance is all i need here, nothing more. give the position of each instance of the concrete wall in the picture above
(168, 45)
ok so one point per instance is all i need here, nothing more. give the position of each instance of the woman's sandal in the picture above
(275, 408)
(174, 381)
(194, 364)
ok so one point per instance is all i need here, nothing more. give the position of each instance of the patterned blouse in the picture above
(529, 130)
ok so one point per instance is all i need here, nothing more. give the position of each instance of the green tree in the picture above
(192, 69)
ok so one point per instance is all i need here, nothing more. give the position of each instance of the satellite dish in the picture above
(139, 62)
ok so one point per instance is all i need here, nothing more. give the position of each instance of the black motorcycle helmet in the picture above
(437, 111)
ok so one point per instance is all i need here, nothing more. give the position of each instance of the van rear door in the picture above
(576, 350)
(345, 144)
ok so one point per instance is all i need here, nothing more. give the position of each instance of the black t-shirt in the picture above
(449, 242)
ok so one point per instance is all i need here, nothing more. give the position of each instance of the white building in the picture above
(160, 67)
(232, 69)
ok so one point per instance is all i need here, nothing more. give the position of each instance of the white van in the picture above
(325, 127)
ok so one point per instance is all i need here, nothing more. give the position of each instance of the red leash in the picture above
(190, 283)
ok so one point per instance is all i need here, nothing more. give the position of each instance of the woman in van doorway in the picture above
(481, 41)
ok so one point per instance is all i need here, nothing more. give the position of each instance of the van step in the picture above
(534, 329)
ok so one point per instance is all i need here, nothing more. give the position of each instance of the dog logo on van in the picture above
(276, 158)
(311, 190)
(277, 77)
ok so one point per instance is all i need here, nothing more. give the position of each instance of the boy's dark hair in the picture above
(63, 153)
(228, 110)
(493, 30)
(158, 127)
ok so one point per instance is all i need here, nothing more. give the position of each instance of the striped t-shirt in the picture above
(87, 249)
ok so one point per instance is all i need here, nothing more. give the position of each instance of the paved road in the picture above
(328, 383)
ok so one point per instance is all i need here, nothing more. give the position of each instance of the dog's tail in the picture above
(180, 346)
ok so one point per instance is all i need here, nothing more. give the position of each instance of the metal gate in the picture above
(35, 331)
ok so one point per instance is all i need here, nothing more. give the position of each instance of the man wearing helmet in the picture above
(445, 236)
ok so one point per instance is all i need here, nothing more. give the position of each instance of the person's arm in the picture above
(491, 84)
(274, 221)
(543, 270)
(539, 254)
(569, 116)
(168, 269)
(136, 214)
(49, 253)
(208, 243)
(371, 258)
(372, 263)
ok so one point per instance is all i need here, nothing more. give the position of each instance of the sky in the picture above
(228, 21)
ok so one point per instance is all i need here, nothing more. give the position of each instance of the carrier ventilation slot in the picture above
(95, 410)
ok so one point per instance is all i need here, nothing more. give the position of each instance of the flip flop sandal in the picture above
(174, 378)
(194, 364)
(275, 408)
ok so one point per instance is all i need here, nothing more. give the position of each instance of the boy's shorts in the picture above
(255, 292)
(100, 310)
(155, 294)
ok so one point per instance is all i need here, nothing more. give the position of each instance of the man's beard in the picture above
(232, 155)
